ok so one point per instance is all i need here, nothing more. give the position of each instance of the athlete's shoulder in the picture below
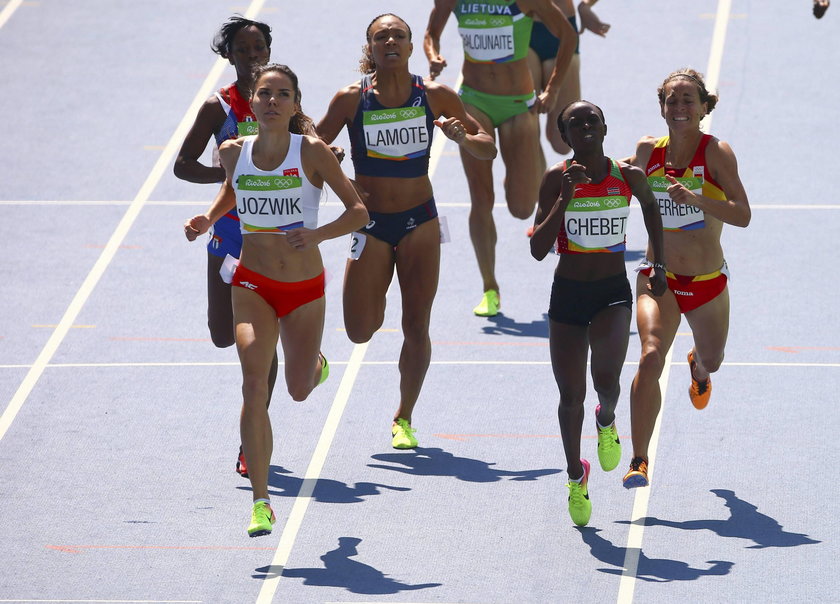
(718, 150)
(647, 142)
(629, 172)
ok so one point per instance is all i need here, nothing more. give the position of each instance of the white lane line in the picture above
(627, 585)
(5, 15)
(438, 144)
(164, 163)
(313, 473)
(640, 502)
(724, 11)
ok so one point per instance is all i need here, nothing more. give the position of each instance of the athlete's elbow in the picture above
(537, 251)
(178, 167)
(744, 220)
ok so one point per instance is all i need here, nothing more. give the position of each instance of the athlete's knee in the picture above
(359, 334)
(254, 391)
(221, 337)
(559, 145)
(713, 362)
(300, 389)
(222, 340)
(651, 361)
(606, 383)
(521, 200)
(571, 397)
(521, 211)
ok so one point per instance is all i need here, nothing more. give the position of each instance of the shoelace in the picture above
(636, 463)
(576, 495)
(607, 435)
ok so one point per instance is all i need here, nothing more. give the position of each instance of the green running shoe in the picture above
(262, 517)
(609, 446)
(325, 369)
(490, 304)
(403, 435)
(580, 508)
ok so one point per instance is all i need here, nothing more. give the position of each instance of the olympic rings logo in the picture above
(284, 183)
(612, 203)
(408, 113)
(497, 22)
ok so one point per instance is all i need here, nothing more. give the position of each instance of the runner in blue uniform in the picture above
(390, 115)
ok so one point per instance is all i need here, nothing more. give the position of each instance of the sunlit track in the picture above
(119, 464)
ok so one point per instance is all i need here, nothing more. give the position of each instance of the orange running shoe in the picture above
(241, 466)
(637, 474)
(700, 392)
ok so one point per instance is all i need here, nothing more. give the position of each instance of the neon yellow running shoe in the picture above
(580, 508)
(490, 304)
(609, 446)
(262, 518)
(403, 435)
(325, 369)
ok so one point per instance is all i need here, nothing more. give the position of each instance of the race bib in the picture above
(396, 134)
(487, 39)
(678, 216)
(597, 224)
(269, 203)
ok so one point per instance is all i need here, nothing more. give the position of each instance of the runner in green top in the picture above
(498, 91)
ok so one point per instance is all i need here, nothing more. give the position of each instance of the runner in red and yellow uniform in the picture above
(695, 179)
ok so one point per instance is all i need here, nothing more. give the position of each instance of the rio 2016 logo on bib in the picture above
(250, 182)
(248, 128)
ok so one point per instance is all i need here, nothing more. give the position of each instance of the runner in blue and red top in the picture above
(226, 115)
(583, 208)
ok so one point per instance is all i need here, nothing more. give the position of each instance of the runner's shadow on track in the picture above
(744, 522)
(433, 461)
(282, 484)
(505, 326)
(655, 570)
(340, 571)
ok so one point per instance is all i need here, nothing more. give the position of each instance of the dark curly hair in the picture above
(223, 40)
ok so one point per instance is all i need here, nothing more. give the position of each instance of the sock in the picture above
(600, 427)
(266, 501)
